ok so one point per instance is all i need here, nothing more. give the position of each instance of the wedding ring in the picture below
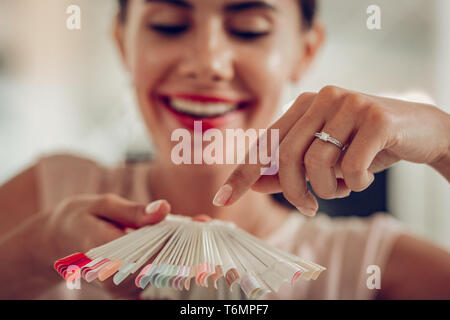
(327, 138)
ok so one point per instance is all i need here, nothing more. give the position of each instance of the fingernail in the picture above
(310, 196)
(223, 195)
(153, 207)
(310, 212)
(345, 195)
(202, 218)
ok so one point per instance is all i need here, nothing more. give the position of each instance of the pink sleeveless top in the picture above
(345, 246)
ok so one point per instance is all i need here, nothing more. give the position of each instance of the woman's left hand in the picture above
(377, 133)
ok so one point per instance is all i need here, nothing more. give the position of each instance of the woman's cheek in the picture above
(148, 69)
(268, 69)
(143, 80)
(145, 62)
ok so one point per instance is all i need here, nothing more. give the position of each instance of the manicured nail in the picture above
(344, 195)
(371, 178)
(307, 211)
(223, 195)
(153, 207)
(202, 218)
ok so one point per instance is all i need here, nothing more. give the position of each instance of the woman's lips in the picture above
(199, 98)
(207, 122)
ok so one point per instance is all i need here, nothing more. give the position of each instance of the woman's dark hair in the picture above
(308, 9)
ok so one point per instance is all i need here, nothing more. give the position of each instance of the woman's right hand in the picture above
(82, 222)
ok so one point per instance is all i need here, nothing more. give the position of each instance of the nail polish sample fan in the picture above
(178, 249)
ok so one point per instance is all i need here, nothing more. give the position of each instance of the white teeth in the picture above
(201, 108)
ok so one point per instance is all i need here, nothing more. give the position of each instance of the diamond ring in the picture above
(327, 138)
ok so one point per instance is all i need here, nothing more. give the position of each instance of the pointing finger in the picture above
(245, 175)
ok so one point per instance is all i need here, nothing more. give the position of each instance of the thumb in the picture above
(129, 214)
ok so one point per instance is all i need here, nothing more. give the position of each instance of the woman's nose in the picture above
(209, 58)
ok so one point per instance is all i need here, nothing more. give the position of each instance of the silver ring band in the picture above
(327, 138)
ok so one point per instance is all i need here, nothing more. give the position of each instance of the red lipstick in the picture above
(187, 120)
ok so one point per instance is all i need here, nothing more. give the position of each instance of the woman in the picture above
(225, 63)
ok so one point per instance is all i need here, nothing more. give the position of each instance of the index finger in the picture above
(245, 175)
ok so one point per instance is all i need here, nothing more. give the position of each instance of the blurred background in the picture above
(65, 90)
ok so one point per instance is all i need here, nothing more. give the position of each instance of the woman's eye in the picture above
(248, 34)
(169, 29)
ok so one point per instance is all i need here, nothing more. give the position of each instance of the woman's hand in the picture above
(377, 133)
(81, 223)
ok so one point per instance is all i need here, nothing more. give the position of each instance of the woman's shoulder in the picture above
(330, 240)
(64, 163)
(297, 224)
(322, 229)
(54, 167)
(353, 224)
(62, 175)
(346, 246)
(43, 184)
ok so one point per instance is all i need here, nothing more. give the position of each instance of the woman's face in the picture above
(222, 62)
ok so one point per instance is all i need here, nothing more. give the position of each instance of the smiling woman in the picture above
(221, 62)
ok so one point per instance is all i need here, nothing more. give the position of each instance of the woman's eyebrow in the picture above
(178, 3)
(233, 7)
(240, 6)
